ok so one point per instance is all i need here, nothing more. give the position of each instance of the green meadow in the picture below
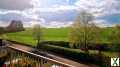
(49, 34)
(53, 34)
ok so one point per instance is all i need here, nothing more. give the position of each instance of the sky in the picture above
(58, 13)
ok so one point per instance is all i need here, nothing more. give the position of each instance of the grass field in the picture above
(49, 34)
(52, 34)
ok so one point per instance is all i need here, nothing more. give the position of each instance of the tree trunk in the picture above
(38, 42)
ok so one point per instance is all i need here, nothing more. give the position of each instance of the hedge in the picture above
(78, 55)
(57, 43)
(91, 46)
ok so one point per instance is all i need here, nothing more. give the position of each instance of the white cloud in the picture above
(57, 24)
(10, 11)
(35, 3)
(99, 7)
(38, 6)
(55, 8)
(52, 24)
(41, 22)
(102, 23)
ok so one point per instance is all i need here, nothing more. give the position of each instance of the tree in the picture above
(115, 38)
(15, 26)
(1, 30)
(83, 31)
(37, 33)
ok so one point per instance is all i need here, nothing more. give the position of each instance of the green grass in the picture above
(59, 34)
(53, 34)
(49, 34)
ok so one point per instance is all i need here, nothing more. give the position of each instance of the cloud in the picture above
(52, 5)
(17, 15)
(57, 24)
(99, 7)
(3, 23)
(57, 12)
(52, 24)
(102, 23)
(47, 3)
(56, 8)
(10, 11)
(15, 4)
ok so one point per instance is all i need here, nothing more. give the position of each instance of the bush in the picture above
(100, 46)
(116, 47)
(57, 43)
(91, 46)
(78, 55)
(65, 51)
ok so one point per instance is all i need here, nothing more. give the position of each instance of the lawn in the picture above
(52, 34)
(49, 34)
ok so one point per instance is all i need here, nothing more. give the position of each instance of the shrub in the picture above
(57, 43)
(78, 55)
(116, 47)
(99, 46)
(91, 46)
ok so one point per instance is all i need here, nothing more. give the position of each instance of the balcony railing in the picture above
(21, 58)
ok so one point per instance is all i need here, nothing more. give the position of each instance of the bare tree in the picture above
(37, 33)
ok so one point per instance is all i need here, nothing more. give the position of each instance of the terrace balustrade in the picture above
(15, 57)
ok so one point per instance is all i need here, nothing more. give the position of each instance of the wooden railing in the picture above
(22, 58)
